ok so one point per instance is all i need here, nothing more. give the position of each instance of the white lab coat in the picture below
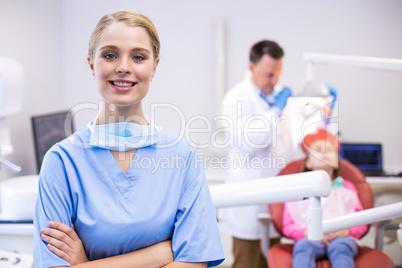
(248, 110)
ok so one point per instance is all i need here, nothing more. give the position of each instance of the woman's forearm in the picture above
(157, 255)
(186, 264)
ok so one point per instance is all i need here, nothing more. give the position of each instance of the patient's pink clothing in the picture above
(342, 200)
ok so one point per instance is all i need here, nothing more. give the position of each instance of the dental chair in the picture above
(281, 255)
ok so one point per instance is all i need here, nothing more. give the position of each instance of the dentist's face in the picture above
(123, 64)
(265, 73)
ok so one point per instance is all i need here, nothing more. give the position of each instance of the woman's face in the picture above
(322, 154)
(123, 64)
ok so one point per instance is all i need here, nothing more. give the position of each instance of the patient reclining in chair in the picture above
(340, 247)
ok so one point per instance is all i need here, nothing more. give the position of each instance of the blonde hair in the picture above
(131, 19)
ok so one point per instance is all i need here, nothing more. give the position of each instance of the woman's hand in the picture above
(64, 242)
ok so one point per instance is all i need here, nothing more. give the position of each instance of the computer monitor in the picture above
(365, 156)
(48, 130)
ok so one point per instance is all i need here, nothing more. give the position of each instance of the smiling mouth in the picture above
(122, 84)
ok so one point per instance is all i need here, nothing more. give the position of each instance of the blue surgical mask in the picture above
(123, 136)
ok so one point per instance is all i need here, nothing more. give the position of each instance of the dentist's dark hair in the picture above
(265, 47)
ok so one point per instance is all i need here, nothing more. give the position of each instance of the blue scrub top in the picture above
(163, 195)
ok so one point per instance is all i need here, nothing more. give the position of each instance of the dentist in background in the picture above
(255, 108)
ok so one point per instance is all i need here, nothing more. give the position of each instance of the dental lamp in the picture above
(312, 59)
(356, 61)
(304, 110)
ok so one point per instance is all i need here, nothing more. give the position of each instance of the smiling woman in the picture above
(123, 62)
(96, 208)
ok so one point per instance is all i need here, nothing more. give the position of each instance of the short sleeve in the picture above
(53, 203)
(196, 236)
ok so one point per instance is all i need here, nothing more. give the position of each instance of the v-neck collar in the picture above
(124, 182)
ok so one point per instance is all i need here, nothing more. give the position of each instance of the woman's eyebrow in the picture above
(109, 47)
(137, 49)
(140, 49)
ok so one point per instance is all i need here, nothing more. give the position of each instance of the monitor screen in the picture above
(48, 130)
(366, 156)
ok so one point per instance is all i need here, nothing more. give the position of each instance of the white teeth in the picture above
(123, 84)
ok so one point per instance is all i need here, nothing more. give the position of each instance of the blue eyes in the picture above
(139, 58)
(110, 56)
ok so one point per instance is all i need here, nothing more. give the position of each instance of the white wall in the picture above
(368, 100)
(50, 39)
(30, 32)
